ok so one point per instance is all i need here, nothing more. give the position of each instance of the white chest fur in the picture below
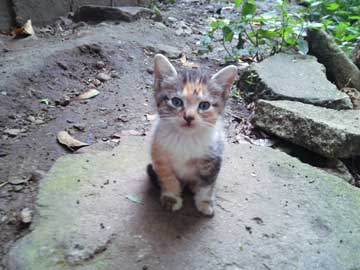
(186, 145)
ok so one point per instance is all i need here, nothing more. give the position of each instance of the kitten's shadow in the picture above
(157, 224)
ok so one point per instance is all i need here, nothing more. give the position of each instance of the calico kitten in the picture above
(188, 141)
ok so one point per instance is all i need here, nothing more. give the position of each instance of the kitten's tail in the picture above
(154, 178)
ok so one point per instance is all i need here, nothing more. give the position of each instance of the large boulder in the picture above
(292, 77)
(99, 211)
(331, 133)
(6, 20)
(101, 13)
(39, 11)
(109, 3)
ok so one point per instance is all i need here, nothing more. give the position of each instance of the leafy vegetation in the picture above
(341, 18)
(257, 35)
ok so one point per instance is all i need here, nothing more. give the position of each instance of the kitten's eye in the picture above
(204, 105)
(177, 102)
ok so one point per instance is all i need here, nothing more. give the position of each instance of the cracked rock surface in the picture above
(98, 210)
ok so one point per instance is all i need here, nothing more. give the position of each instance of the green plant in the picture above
(258, 34)
(341, 18)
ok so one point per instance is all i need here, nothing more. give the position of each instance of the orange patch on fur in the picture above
(163, 168)
(210, 117)
(194, 89)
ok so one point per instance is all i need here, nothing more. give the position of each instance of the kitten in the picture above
(187, 142)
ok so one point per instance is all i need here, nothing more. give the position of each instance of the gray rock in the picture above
(167, 50)
(331, 133)
(5, 16)
(274, 205)
(80, 126)
(292, 77)
(102, 13)
(12, 132)
(339, 169)
(103, 77)
(100, 64)
(171, 19)
(356, 55)
(338, 65)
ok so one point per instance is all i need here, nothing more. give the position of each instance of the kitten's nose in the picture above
(189, 118)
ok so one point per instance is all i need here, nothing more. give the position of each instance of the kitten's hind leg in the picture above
(204, 199)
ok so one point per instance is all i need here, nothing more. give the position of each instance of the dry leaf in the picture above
(89, 94)
(25, 31)
(188, 64)
(65, 139)
(134, 199)
(151, 117)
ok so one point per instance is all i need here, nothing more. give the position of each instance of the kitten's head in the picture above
(191, 100)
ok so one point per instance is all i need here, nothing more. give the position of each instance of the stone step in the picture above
(95, 13)
(292, 77)
(272, 212)
(331, 133)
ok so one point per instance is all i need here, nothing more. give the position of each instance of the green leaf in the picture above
(238, 3)
(249, 8)
(134, 199)
(45, 101)
(357, 18)
(228, 33)
(333, 6)
(269, 34)
(303, 46)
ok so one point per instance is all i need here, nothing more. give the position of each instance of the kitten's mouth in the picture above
(188, 125)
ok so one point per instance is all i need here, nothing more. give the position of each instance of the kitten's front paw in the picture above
(206, 208)
(170, 201)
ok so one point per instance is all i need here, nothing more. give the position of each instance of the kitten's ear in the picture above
(224, 79)
(163, 68)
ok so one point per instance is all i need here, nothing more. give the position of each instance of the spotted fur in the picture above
(187, 142)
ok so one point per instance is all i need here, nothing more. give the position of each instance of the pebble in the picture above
(100, 64)
(103, 77)
(172, 19)
(12, 132)
(80, 126)
(26, 215)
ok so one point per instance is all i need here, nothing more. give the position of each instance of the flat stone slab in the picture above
(102, 13)
(331, 133)
(99, 211)
(292, 77)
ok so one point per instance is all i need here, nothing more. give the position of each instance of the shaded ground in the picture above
(99, 211)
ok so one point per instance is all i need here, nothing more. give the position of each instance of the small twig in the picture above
(226, 49)
(249, 38)
(3, 184)
(267, 267)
